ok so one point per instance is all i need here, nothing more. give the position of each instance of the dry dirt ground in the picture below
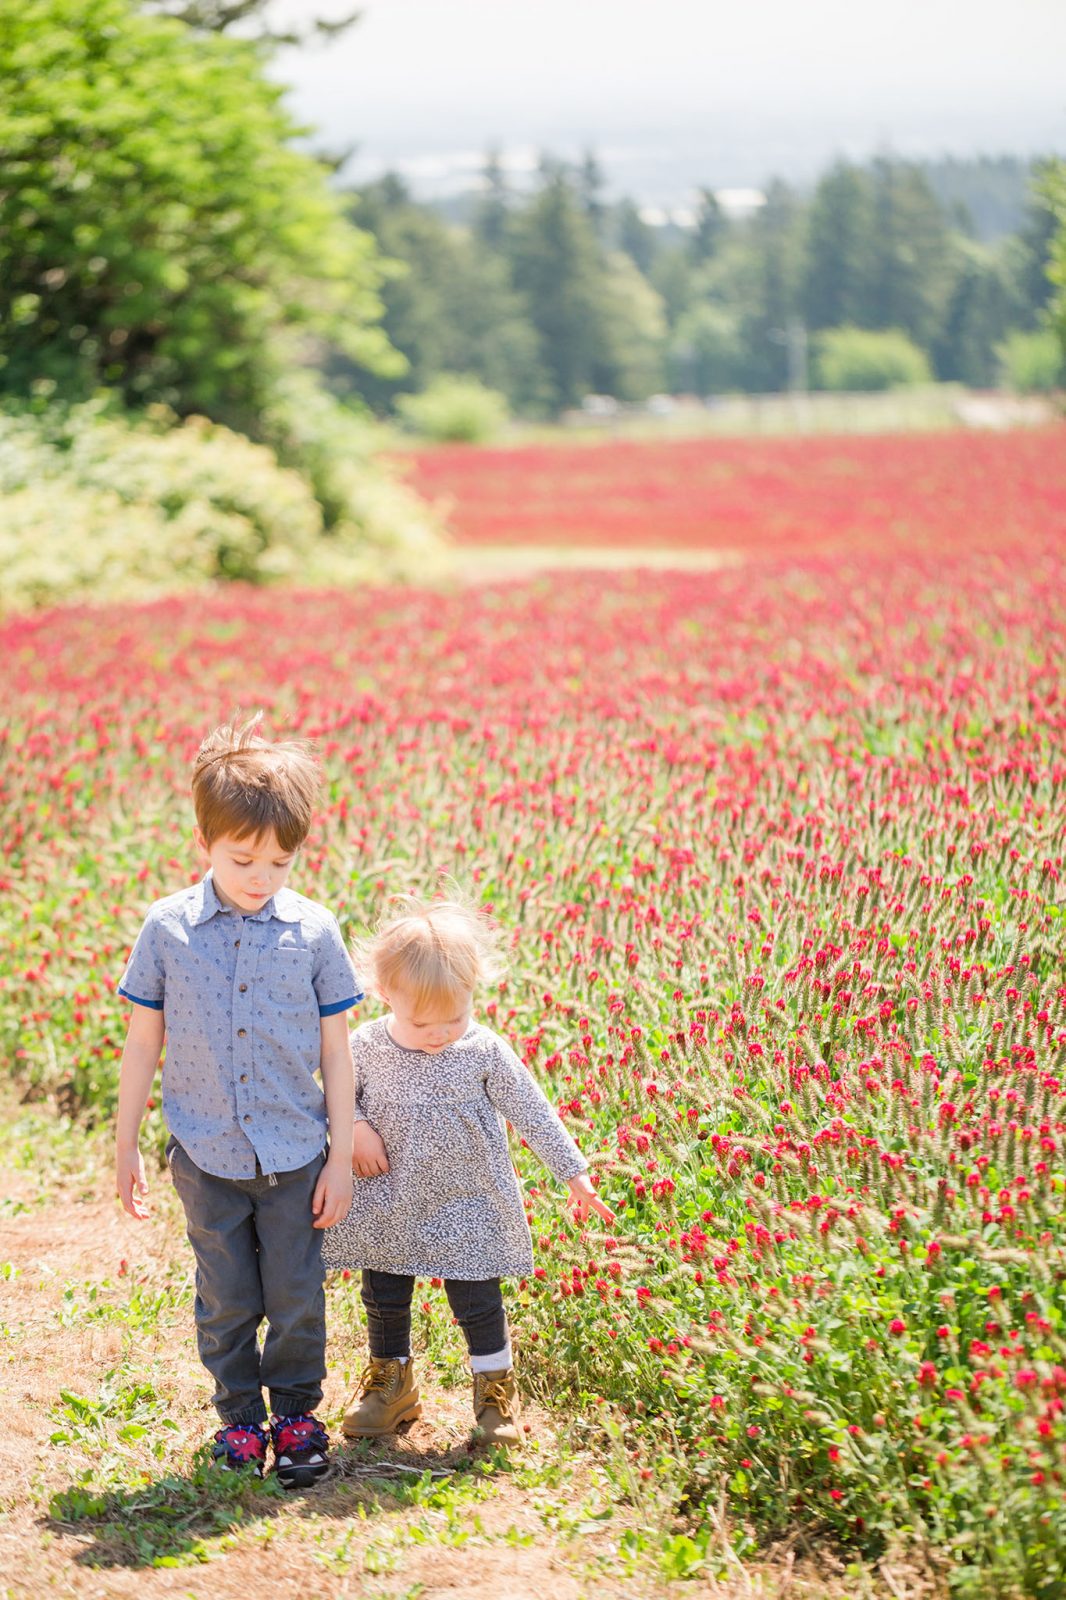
(102, 1395)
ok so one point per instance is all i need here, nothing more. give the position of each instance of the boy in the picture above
(250, 984)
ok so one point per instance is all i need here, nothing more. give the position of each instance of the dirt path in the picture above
(105, 1407)
(500, 563)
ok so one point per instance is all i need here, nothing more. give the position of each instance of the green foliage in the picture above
(157, 232)
(556, 267)
(986, 195)
(706, 352)
(554, 295)
(98, 505)
(634, 332)
(980, 307)
(838, 248)
(634, 236)
(1033, 362)
(449, 306)
(859, 359)
(454, 409)
(909, 273)
(1053, 193)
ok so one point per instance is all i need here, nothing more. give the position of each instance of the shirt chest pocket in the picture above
(289, 981)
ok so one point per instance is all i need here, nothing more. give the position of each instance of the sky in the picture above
(676, 93)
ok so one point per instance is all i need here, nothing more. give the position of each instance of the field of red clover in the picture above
(781, 853)
(753, 497)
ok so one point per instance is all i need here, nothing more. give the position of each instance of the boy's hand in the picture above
(333, 1194)
(585, 1199)
(369, 1157)
(130, 1184)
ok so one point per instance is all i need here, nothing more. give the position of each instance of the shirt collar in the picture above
(206, 904)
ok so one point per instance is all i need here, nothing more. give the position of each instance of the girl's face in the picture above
(431, 1029)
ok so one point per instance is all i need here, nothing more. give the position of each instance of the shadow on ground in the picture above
(171, 1520)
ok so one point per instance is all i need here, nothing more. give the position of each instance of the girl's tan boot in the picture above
(496, 1407)
(387, 1397)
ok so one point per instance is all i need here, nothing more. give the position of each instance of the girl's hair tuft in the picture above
(437, 952)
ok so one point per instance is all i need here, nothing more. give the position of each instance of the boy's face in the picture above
(246, 872)
(433, 1028)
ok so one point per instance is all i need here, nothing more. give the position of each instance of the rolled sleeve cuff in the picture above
(139, 1000)
(564, 1174)
(338, 1005)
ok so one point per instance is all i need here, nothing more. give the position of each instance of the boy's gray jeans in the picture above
(257, 1256)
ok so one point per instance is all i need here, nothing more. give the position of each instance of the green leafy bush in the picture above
(159, 234)
(95, 505)
(454, 409)
(1033, 363)
(861, 359)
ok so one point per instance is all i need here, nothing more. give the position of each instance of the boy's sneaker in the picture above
(301, 1450)
(239, 1446)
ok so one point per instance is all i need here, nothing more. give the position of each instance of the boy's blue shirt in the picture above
(241, 997)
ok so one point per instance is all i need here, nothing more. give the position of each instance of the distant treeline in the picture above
(557, 293)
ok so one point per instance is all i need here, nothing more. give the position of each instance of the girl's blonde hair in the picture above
(436, 951)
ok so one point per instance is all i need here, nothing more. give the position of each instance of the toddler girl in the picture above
(436, 1194)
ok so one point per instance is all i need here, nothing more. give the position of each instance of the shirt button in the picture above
(236, 943)
(244, 1079)
(241, 1032)
(247, 1117)
(243, 987)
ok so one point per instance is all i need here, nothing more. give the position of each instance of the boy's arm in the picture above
(333, 1192)
(140, 1058)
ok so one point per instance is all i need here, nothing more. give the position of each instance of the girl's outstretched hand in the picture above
(585, 1199)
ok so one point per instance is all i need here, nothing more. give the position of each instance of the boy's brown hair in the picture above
(244, 786)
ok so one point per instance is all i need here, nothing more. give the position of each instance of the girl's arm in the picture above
(514, 1093)
(333, 1192)
(140, 1058)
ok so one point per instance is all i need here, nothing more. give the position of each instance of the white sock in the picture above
(497, 1362)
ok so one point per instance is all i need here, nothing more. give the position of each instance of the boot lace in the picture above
(376, 1375)
(495, 1394)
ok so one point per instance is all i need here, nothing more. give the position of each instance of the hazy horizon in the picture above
(703, 95)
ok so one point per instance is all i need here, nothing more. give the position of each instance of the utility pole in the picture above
(794, 337)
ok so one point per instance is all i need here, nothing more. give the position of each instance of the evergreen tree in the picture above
(909, 261)
(590, 189)
(710, 228)
(558, 270)
(490, 222)
(837, 235)
(1036, 241)
(706, 356)
(771, 312)
(1053, 189)
(630, 363)
(980, 310)
(671, 276)
(449, 307)
(634, 235)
